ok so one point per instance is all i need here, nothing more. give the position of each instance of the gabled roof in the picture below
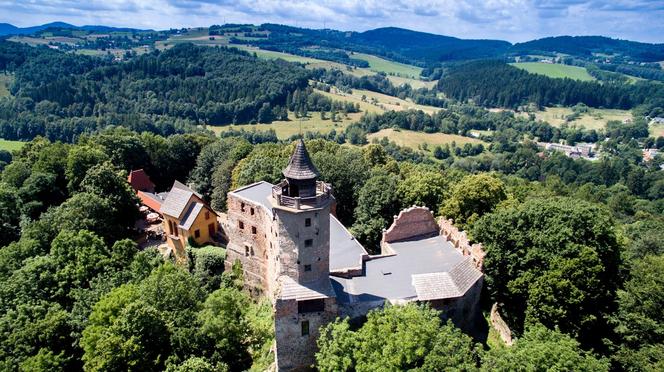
(441, 285)
(300, 166)
(177, 200)
(153, 201)
(140, 181)
(190, 215)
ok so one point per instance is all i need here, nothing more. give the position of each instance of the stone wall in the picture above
(295, 351)
(249, 244)
(413, 222)
(460, 241)
(500, 325)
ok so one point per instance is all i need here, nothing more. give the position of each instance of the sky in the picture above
(512, 20)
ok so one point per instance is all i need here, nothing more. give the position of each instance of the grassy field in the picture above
(5, 83)
(382, 65)
(286, 129)
(10, 145)
(555, 70)
(415, 140)
(656, 130)
(415, 83)
(378, 102)
(594, 119)
(269, 54)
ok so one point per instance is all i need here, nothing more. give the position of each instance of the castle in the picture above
(295, 251)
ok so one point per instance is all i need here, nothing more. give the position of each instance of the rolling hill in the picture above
(9, 29)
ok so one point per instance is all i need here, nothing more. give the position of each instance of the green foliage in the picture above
(377, 203)
(552, 261)
(79, 160)
(10, 215)
(473, 197)
(197, 364)
(541, 349)
(426, 188)
(396, 338)
(207, 266)
(639, 320)
(264, 163)
(347, 171)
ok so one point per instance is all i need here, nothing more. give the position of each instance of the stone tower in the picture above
(303, 294)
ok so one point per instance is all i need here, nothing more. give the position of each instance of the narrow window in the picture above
(240, 225)
(207, 215)
(242, 207)
(197, 234)
(307, 222)
(252, 211)
(253, 230)
(308, 242)
(246, 250)
(307, 267)
(305, 328)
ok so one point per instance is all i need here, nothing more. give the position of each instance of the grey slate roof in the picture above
(177, 200)
(258, 192)
(452, 284)
(190, 215)
(392, 277)
(345, 251)
(300, 166)
(291, 290)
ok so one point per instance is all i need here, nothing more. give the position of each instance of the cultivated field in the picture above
(382, 65)
(10, 145)
(555, 70)
(286, 129)
(5, 83)
(594, 119)
(415, 140)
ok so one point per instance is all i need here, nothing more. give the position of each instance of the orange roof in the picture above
(140, 181)
(152, 201)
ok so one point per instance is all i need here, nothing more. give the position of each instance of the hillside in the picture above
(587, 46)
(9, 29)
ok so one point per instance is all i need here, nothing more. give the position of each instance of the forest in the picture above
(496, 84)
(60, 95)
(574, 247)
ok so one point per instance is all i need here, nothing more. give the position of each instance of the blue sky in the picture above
(513, 20)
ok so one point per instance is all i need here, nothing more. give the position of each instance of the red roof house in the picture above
(140, 181)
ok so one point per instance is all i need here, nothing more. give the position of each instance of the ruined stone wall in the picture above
(500, 325)
(248, 240)
(295, 351)
(459, 240)
(413, 222)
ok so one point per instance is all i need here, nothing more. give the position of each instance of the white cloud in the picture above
(514, 20)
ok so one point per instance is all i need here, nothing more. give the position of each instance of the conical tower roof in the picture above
(300, 166)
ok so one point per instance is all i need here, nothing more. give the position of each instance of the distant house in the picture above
(187, 215)
(140, 181)
(658, 120)
(649, 154)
